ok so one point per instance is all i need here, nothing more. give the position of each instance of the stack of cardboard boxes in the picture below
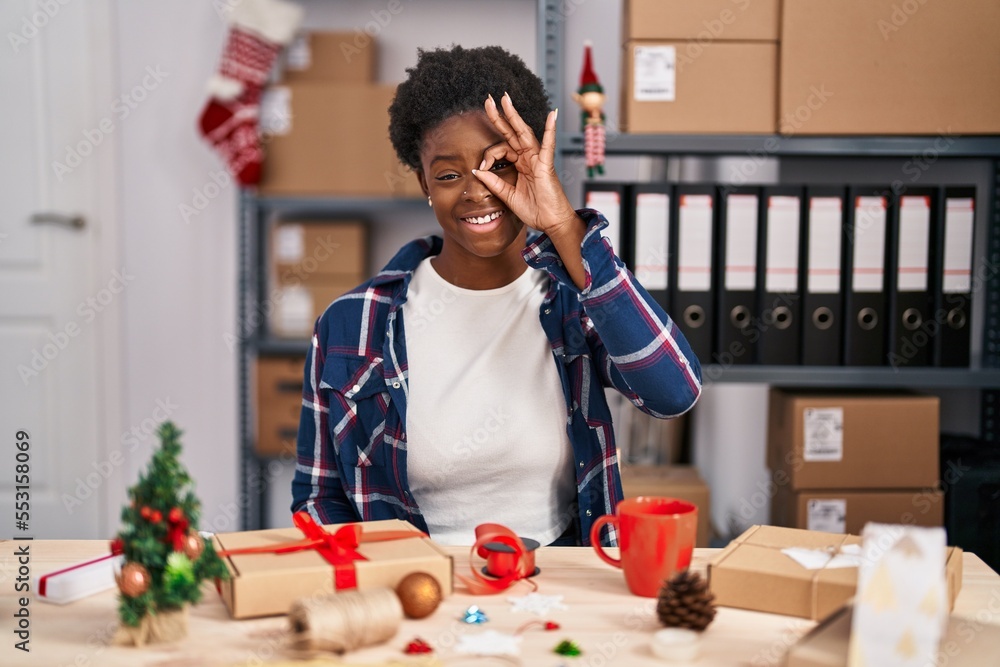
(326, 125)
(807, 67)
(279, 404)
(842, 460)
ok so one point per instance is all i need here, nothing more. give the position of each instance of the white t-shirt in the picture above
(486, 415)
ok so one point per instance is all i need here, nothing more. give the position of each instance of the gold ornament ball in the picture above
(420, 594)
(133, 580)
(193, 546)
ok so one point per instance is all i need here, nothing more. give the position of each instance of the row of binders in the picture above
(813, 275)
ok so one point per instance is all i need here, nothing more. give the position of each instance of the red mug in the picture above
(656, 536)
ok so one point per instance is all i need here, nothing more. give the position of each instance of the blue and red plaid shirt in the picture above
(351, 462)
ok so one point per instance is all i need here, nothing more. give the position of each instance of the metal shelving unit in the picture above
(256, 211)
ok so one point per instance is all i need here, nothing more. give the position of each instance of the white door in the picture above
(59, 295)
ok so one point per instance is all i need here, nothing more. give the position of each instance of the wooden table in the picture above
(612, 626)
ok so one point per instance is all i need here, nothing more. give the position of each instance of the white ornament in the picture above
(538, 604)
(489, 642)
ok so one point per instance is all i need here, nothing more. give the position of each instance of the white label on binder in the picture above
(914, 243)
(289, 243)
(652, 222)
(958, 217)
(741, 242)
(293, 315)
(276, 111)
(654, 73)
(869, 244)
(299, 55)
(824, 434)
(825, 219)
(782, 270)
(827, 515)
(694, 244)
(609, 203)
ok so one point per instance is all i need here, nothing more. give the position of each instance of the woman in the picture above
(464, 383)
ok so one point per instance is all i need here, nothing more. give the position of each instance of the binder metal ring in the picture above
(956, 318)
(694, 316)
(740, 317)
(822, 318)
(867, 319)
(782, 317)
(912, 319)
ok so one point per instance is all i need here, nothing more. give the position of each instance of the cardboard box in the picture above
(279, 404)
(752, 573)
(681, 482)
(297, 306)
(849, 511)
(301, 250)
(966, 643)
(823, 440)
(890, 67)
(331, 57)
(717, 87)
(267, 584)
(333, 140)
(705, 20)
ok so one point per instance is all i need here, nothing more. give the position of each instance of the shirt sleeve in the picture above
(636, 346)
(317, 487)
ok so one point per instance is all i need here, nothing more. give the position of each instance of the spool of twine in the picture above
(344, 621)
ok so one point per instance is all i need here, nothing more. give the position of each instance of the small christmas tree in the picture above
(165, 558)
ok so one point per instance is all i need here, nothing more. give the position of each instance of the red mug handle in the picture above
(595, 538)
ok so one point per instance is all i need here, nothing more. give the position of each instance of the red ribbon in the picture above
(521, 568)
(338, 548)
(177, 532)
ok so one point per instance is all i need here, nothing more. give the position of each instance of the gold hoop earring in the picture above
(429, 203)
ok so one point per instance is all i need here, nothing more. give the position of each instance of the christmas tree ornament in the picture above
(590, 97)
(258, 30)
(568, 648)
(420, 594)
(685, 602)
(345, 621)
(175, 515)
(133, 580)
(475, 616)
(117, 546)
(159, 582)
(418, 646)
(193, 545)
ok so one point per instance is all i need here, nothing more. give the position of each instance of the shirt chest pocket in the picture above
(358, 403)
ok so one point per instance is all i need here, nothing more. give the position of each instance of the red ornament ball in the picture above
(175, 515)
(156, 516)
(117, 546)
(133, 580)
(145, 512)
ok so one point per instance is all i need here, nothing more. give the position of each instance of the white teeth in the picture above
(483, 220)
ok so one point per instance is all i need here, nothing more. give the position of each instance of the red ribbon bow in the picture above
(338, 548)
(178, 530)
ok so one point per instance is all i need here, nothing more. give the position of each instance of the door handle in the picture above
(72, 221)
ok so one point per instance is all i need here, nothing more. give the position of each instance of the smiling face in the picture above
(476, 224)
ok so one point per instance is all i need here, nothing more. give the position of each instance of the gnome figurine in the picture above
(590, 97)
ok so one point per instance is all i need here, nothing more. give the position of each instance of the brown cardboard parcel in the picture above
(704, 20)
(890, 67)
(822, 440)
(330, 57)
(722, 87)
(300, 249)
(267, 584)
(297, 305)
(279, 404)
(966, 643)
(681, 482)
(849, 511)
(752, 573)
(336, 142)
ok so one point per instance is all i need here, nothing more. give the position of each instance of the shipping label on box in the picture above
(266, 584)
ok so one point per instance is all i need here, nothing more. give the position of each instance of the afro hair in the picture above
(446, 82)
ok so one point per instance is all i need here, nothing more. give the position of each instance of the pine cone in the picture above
(685, 602)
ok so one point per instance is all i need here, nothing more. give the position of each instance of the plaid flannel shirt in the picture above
(351, 463)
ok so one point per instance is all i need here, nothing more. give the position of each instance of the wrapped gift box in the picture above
(266, 584)
(753, 573)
